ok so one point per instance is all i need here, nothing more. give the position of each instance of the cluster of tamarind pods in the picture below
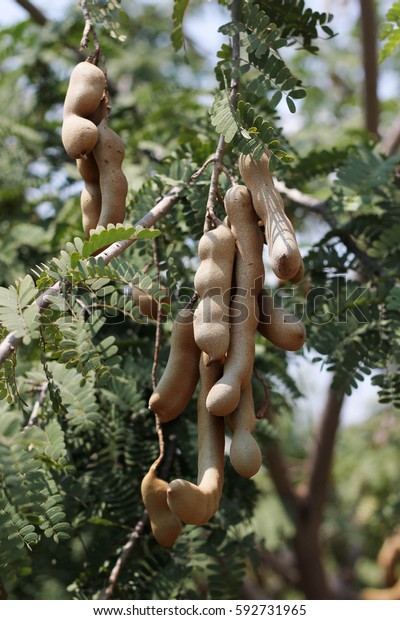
(216, 344)
(97, 149)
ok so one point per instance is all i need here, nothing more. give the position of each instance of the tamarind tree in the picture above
(79, 359)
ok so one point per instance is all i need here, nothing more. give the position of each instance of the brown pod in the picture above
(281, 328)
(245, 453)
(279, 234)
(91, 194)
(178, 382)
(84, 94)
(197, 504)
(147, 304)
(249, 277)
(109, 153)
(212, 282)
(165, 526)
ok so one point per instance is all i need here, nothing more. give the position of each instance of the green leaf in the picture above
(177, 37)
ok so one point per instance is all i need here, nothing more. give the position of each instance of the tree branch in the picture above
(11, 342)
(124, 555)
(37, 16)
(370, 64)
(320, 207)
(321, 460)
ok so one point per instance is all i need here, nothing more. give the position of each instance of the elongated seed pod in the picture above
(245, 453)
(281, 328)
(91, 194)
(249, 277)
(84, 94)
(279, 234)
(147, 304)
(196, 504)
(109, 153)
(181, 374)
(213, 282)
(165, 526)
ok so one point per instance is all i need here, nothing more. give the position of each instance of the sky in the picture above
(314, 384)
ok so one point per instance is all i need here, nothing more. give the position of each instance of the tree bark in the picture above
(370, 64)
(33, 11)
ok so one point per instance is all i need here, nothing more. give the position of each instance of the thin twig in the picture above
(211, 219)
(36, 407)
(200, 171)
(89, 30)
(264, 409)
(159, 430)
(124, 555)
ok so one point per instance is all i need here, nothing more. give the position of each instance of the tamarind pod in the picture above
(299, 275)
(212, 282)
(178, 382)
(84, 94)
(249, 277)
(79, 136)
(147, 304)
(281, 328)
(197, 504)
(165, 526)
(100, 113)
(384, 594)
(245, 453)
(109, 153)
(91, 194)
(279, 234)
(85, 90)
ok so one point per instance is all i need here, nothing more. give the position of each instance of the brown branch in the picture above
(370, 64)
(391, 140)
(211, 219)
(11, 342)
(124, 555)
(38, 403)
(159, 430)
(278, 470)
(89, 30)
(37, 16)
(321, 460)
(320, 207)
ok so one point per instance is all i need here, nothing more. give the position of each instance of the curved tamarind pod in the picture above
(148, 305)
(84, 94)
(196, 504)
(91, 194)
(279, 234)
(165, 526)
(212, 282)
(249, 277)
(178, 382)
(299, 275)
(109, 153)
(281, 328)
(245, 453)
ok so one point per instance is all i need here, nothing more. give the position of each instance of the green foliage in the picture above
(262, 72)
(390, 32)
(177, 37)
(76, 437)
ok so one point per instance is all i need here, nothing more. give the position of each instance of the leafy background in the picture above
(76, 437)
